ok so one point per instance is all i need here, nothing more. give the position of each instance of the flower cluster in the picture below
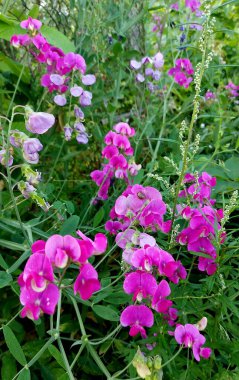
(182, 71)
(144, 259)
(148, 68)
(210, 95)
(62, 72)
(117, 148)
(40, 285)
(233, 90)
(194, 5)
(190, 337)
(158, 25)
(203, 220)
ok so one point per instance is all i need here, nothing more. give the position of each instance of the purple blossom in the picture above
(85, 98)
(60, 100)
(76, 91)
(3, 158)
(88, 80)
(135, 64)
(39, 122)
(30, 148)
(57, 79)
(140, 78)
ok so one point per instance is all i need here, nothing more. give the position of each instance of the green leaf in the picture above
(8, 28)
(106, 312)
(12, 245)
(14, 346)
(233, 168)
(24, 375)
(70, 225)
(9, 368)
(56, 355)
(5, 279)
(8, 65)
(57, 39)
(34, 12)
(98, 217)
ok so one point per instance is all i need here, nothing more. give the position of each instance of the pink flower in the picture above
(34, 303)
(59, 249)
(99, 244)
(87, 282)
(137, 317)
(159, 301)
(39, 122)
(31, 24)
(141, 284)
(192, 4)
(190, 336)
(158, 60)
(37, 273)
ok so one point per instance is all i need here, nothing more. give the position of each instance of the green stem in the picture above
(36, 357)
(173, 357)
(64, 357)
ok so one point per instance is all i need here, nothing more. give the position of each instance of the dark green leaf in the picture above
(70, 225)
(5, 279)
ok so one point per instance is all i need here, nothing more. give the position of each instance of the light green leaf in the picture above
(106, 312)
(14, 346)
(56, 38)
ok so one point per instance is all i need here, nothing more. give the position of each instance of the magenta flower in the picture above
(137, 317)
(39, 122)
(159, 301)
(31, 24)
(99, 244)
(34, 303)
(87, 282)
(182, 71)
(37, 273)
(189, 336)
(140, 284)
(59, 249)
(192, 4)
(186, 335)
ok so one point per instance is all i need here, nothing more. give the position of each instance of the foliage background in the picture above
(108, 34)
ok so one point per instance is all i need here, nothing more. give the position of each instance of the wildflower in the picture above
(137, 317)
(3, 158)
(159, 301)
(59, 249)
(182, 71)
(87, 282)
(35, 303)
(141, 284)
(39, 122)
(31, 147)
(189, 336)
(210, 95)
(192, 4)
(31, 24)
(60, 100)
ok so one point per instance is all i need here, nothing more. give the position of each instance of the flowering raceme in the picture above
(143, 208)
(203, 220)
(40, 286)
(117, 148)
(62, 72)
(150, 67)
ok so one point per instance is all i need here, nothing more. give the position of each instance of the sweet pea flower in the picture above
(137, 317)
(159, 301)
(192, 4)
(60, 100)
(87, 282)
(37, 273)
(135, 64)
(88, 80)
(59, 249)
(30, 148)
(34, 302)
(39, 122)
(99, 244)
(3, 158)
(158, 61)
(31, 24)
(140, 284)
